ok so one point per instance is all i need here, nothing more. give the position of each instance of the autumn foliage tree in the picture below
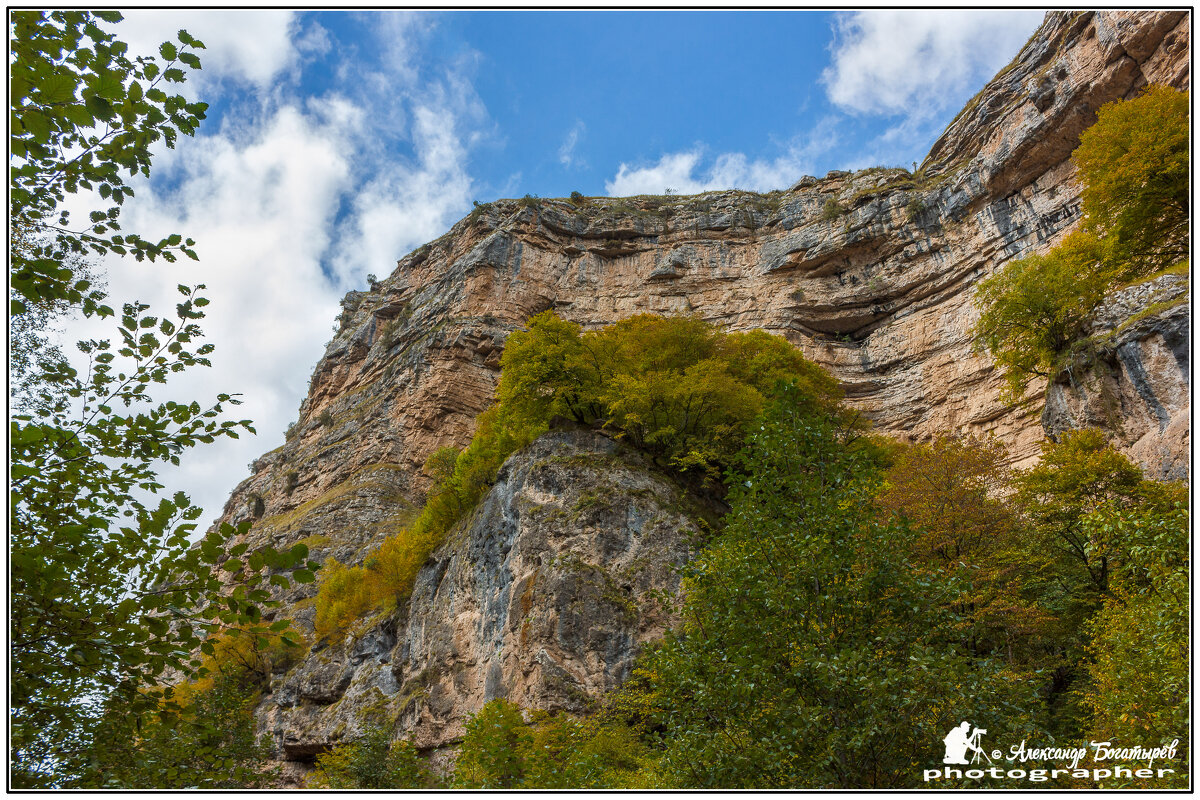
(955, 492)
(676, 387)
(1135, 168)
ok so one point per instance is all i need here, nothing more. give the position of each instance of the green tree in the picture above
(1143, 627)
(1135, 168)
(209, 744)
(495, 749)
(1034, 309)
(1065, 566)
(108, 592)
(1076, 475)
(371, 761)
(501, 750)
(811, 653)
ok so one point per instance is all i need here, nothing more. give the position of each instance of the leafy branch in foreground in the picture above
(111, 595)
(82, 111)
(111, 600)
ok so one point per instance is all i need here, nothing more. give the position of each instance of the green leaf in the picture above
(110, 85)
(36, 124)
(58, 88)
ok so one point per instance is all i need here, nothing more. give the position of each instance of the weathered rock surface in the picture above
(543, 596)
(1136, 382)
(871, 273)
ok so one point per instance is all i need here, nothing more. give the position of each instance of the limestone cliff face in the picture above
(871, 273)
(543, 596)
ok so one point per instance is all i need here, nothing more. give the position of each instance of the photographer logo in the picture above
(962, 739)
(966, 759)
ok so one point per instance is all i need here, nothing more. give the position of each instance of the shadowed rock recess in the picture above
(543, 594)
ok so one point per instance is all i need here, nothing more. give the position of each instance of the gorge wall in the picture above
(545, 594)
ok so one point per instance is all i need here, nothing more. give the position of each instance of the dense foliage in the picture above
(1134, 166)
(371, 761)
(813, 651)
(677, 388)
(850, 614)
(1036, 308)
(502, 750)
(109, 594)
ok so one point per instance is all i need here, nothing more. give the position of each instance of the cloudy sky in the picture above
(337, 142)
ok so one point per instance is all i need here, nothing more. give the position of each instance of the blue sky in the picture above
(339, 141)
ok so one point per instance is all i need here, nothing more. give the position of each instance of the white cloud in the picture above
(291, 201)
(401, 33)
(566, 152)
(684, 173)
(919, 63)
(406, 204)
(250, 46)
(315, 41)
(687, 172)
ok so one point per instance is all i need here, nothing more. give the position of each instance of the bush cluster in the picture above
(371, 761)
(677, 388)
(501, 750)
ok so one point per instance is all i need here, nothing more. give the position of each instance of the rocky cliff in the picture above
(543, 595)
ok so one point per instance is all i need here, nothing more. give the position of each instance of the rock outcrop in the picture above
(871, 273)
(544, 596)
(1134, 382)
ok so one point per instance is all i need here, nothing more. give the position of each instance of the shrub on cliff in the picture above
(460, 478)
(1134, 167)
(676, 387)
(1036, 307)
